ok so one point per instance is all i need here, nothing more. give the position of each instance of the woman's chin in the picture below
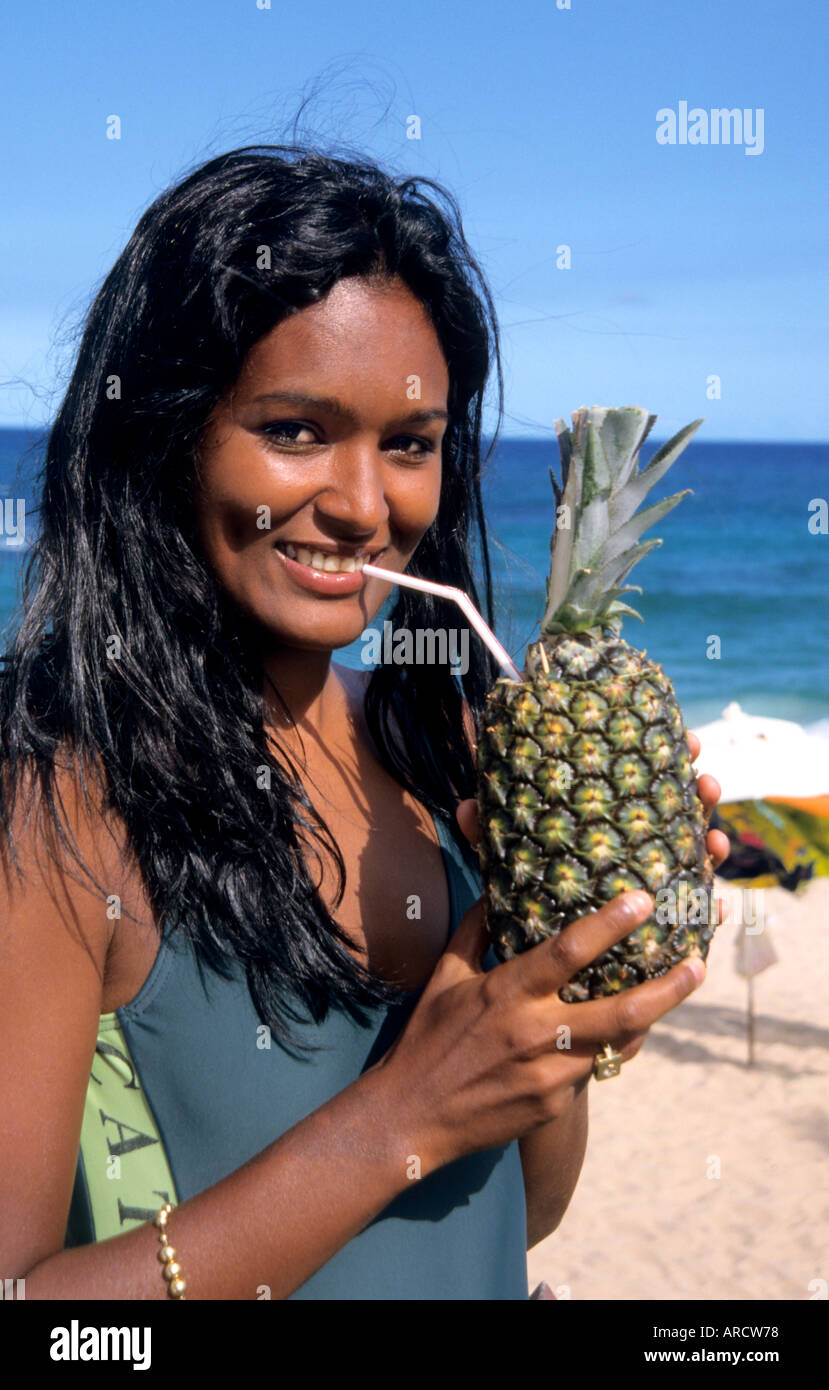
(328, 640)
(315, 626)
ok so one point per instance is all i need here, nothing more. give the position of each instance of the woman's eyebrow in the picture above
(335, 407)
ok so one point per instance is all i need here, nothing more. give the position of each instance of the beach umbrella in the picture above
(774, 776)
(775, 796)
(754, 758)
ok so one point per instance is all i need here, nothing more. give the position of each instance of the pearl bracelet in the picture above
(167, 1255)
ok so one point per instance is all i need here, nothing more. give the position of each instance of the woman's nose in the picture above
(355, 498)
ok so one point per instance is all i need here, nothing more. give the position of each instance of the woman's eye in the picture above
(287, 432)
(284, 432)
(423, 446)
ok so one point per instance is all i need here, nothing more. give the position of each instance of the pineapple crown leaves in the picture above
(602, 489)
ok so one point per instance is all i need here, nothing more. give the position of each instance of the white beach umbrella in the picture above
(754, 757)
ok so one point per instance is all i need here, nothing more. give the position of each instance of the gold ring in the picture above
(607, 1063)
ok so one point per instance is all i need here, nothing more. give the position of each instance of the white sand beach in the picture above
(649, 1218)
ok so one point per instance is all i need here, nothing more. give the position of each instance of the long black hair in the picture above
(132, 658)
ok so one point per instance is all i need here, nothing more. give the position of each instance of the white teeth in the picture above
(319, 560)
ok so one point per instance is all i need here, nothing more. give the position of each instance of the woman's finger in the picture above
(620, 1018)
(544, 969)
(694, 745)
(630, 1049)
(718, 846)
(709, 791)
(467, 817)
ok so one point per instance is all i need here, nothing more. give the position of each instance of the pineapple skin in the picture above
(586, 789)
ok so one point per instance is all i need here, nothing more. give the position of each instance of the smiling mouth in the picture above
(330, 562)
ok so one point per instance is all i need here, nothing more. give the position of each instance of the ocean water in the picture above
(738, 563)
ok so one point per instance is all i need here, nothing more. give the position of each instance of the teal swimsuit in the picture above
(184, 1090)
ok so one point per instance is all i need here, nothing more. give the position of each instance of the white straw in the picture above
(464, 603)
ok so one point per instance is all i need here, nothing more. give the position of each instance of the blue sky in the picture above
(689, 261)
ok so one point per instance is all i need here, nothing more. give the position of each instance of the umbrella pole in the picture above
(750, 1020)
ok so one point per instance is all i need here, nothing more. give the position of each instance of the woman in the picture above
(235, 892)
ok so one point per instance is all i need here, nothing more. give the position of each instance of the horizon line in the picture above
(550, 438)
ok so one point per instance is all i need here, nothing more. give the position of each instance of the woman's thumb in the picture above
(469, 942)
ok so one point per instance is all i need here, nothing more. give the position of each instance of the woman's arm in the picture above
(551, 1159)
(269, 1225)
(273, 1222)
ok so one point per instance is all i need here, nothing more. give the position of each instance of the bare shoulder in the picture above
(39, 870)
(54, 938)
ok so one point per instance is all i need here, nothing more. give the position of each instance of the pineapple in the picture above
(586, 786)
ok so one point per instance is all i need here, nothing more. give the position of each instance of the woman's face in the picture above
(327, 450)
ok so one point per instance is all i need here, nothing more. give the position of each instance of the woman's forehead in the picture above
(361, 334)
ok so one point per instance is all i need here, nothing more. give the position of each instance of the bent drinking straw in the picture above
(465, 604)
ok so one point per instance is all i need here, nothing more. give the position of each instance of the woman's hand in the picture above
(488, 1056)
(709, 791)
